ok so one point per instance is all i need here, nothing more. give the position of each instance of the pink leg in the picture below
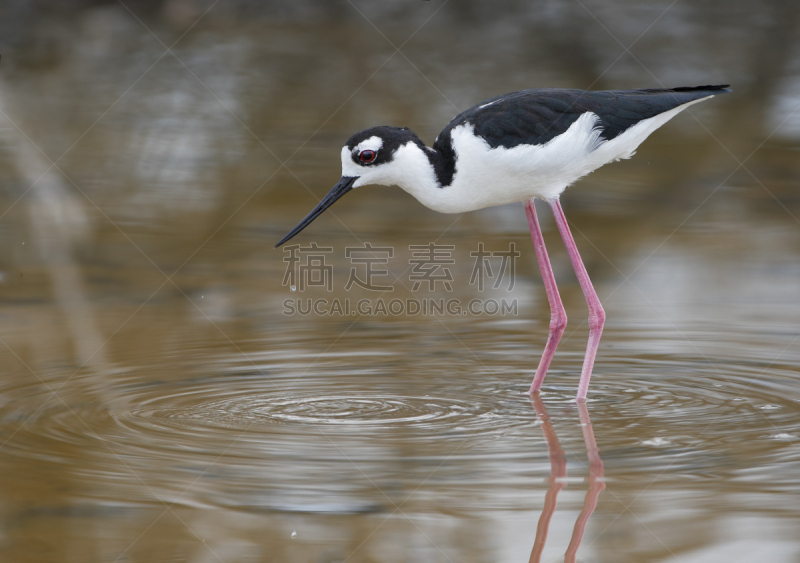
(597, 317)
(558, 316)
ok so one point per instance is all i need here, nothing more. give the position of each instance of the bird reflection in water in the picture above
(558, 474)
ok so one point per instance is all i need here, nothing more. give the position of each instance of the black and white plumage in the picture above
(515, 147)
(532, 143)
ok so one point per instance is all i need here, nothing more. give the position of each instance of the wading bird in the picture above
(517, 147)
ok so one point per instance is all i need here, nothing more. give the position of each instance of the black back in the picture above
(534, 117)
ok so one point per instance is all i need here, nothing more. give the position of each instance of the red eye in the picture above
(367, 156)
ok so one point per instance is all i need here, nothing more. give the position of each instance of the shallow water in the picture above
(160, 401)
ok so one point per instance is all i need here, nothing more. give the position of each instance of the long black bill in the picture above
(344, 186)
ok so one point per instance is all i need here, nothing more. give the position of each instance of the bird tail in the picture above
(712, 90)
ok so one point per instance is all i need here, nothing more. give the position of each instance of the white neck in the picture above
(415, 174)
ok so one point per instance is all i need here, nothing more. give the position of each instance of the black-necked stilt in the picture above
(517, 147)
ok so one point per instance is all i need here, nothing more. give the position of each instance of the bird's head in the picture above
(380, 155)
